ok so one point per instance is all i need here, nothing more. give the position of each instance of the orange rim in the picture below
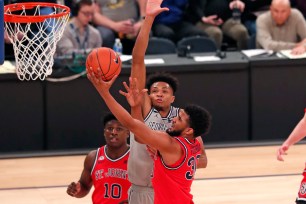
(14, 18)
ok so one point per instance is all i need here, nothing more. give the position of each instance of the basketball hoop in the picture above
(34, 36)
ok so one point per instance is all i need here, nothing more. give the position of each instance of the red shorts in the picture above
(302, 190)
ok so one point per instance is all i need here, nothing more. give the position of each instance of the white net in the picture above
(35, 42)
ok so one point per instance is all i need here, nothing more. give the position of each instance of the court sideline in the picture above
(234, 175)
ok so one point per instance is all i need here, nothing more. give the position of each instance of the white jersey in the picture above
(140, 164)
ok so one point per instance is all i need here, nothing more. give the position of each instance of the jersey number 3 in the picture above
(192, 163)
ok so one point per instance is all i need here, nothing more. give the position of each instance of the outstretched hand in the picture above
(132, 94)
(96, 80)
(281, 151)
(153, 7)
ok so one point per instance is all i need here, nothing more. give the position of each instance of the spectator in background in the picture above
(215, 18)
(281, 28)
(300, 5)
(106, 167)
(120, 18)
(79, 36)
(253, 8)
(171, 24)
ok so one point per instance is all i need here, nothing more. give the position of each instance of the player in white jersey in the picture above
(156, 110)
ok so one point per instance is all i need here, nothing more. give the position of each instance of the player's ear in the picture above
(189, 131)
(173, 98)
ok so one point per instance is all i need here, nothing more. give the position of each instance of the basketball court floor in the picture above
(235, 175)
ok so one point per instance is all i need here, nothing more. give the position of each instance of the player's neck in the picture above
(79, 25)
(164, 112)
(116, 152)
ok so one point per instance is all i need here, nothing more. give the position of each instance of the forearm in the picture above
(102, 20)
(298, 133)
(142, 40)
(138, 67)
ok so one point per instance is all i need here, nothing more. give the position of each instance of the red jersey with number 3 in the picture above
(110, 178)
(172, 184)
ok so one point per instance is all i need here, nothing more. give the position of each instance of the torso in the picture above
(172, 184)
(110, 178)
(140, 164)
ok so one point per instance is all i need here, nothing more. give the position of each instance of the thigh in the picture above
(141, 197)
(185, 29)
(209, 29)
(234, 30)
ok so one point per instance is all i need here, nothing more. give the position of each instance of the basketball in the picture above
(105, 63)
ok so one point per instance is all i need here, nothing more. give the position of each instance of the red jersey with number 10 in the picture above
(110, 178)
(172, 184)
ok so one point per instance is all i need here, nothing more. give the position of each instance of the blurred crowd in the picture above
(272, 24)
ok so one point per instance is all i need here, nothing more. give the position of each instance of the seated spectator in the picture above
(8, 48)
(121, 18)
(79, 36)
(253, 8)
(300, 5)
(172, 25)
(215, 18)
(281, 28)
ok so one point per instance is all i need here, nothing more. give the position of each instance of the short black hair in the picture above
(108, 117)
(199, 119)
(77, 4)
(164, 77)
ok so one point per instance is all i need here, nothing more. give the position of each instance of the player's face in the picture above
(280, 13)
(179, 124)
(161, 95)
(115, 134)
(85, 14)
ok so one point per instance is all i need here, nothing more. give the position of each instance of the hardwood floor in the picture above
(234, 176)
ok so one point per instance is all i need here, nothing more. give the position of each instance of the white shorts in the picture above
(141, 195)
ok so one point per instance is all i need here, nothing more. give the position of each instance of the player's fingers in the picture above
(113, 79)
(122, 93)
(127, 88)
(78, 187)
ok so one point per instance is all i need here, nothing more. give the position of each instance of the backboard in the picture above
(1, 32)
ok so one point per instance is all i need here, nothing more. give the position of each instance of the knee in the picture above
(242, 33)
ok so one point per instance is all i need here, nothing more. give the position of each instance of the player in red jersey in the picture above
(298, 133)
(178, 148)
(106, 167)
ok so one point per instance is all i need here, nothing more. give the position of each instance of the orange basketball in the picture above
(106, 60)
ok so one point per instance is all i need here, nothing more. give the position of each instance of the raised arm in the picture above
(138, 66)
(298, 133)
